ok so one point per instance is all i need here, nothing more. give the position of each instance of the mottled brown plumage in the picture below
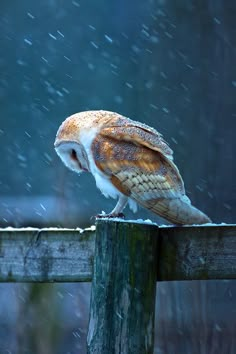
(129, 160)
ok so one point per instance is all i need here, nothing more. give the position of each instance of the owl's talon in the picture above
(110, 216)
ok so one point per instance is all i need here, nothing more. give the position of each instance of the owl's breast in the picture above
(105, 185)
(103, 181)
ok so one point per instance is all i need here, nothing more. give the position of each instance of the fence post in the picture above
(122, 308)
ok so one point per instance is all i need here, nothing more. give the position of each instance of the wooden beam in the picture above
(34, 255)
(122, 307)
(184, 253)
(197, 253)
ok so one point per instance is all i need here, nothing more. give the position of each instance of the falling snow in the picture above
(169, 66)
(27, 41)
(109, 39)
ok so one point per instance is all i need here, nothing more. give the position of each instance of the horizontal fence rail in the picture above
(46, 255)
(67, 255)
(123, 260)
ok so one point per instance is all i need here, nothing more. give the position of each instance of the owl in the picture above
(130, 162)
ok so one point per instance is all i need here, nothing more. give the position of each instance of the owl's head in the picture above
(69, 147)
(76, 134)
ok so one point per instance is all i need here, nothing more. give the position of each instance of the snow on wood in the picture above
(197, 252)
(45, 255)
(65, 255)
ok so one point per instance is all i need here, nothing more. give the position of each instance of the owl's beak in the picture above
(56, 143)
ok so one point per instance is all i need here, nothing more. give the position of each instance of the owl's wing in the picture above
(140, 165)
(139, 134)
(141, 169)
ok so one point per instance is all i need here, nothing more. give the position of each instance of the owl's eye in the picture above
(73, 155)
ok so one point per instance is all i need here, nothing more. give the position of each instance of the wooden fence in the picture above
(124, 260)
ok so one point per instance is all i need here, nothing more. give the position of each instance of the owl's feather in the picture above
(128, 160)
(141, 170)
(140, 135)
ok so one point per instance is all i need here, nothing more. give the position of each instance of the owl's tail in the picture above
(178, 211)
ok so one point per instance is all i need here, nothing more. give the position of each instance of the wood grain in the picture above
(183, 253)
(46, 255)
(122, 307)
(197, 253)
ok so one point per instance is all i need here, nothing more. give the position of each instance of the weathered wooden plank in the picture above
(184, 253)
(46, 255)
(197, 252)
(122, 306)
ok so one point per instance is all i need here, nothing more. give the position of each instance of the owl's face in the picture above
(68, 144)
(74, 138)
(73, 155)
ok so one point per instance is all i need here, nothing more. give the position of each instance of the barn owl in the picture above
(130, 161)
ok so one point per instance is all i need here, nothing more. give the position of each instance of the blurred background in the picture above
(169, 64)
